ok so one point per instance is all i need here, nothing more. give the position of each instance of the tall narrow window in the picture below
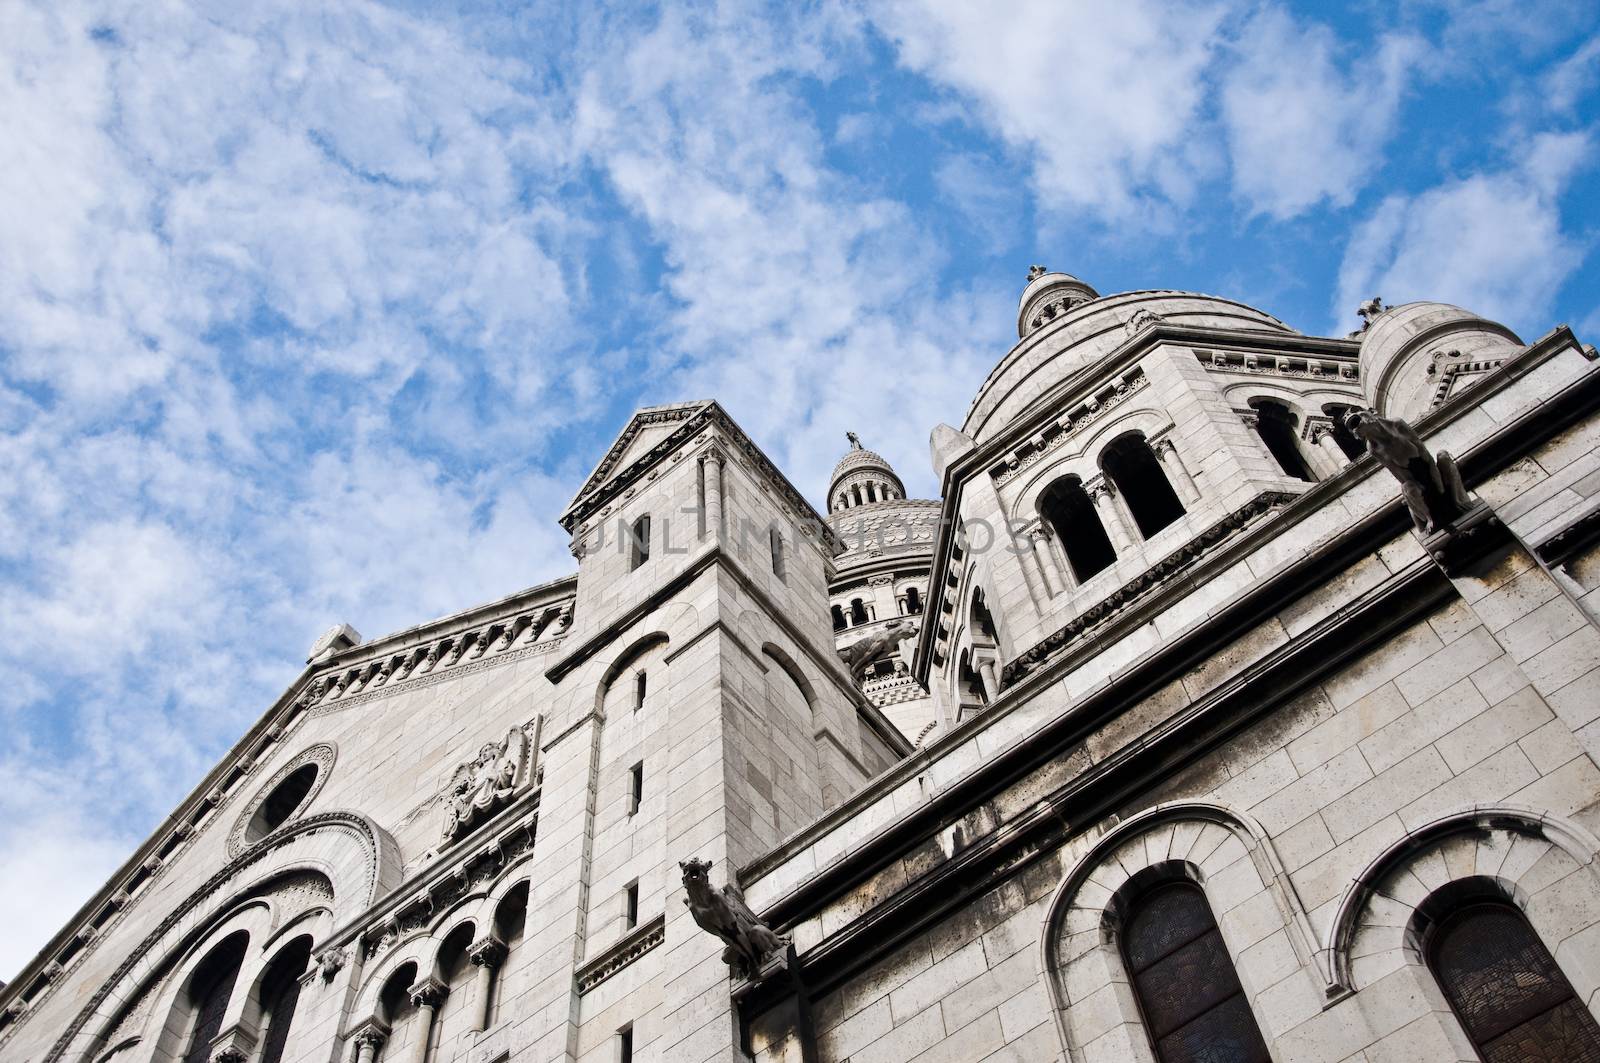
(1066, 506)
(1277, 426)
(635, 787)
(625, 1044)
(839, 623)
(1503, 985)
(630, 904)
(1188, 991)
(858, 611)
(913, 601)
(775, 540)
(638, 689)
(639, 548)
(280, 992)
(209, 992)
(1134, 468)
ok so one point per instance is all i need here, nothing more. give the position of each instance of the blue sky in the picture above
(320, 312)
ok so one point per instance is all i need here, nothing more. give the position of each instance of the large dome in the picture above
(1084, 332)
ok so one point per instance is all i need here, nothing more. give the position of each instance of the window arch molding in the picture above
(361, 864)
(320, 756)
(1222, 851)
(1082, 458)
(1536, 861)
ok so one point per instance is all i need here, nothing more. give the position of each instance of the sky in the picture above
(319, 313)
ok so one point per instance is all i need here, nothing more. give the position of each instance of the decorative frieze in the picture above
(1070, 424)
(1280, 365)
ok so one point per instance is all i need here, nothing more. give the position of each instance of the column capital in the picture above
(1101, 487)
(715, 452)
(428, 993)
(372, 1033)
(487, 951)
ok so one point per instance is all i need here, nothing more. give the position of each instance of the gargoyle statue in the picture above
(723, 912)
(1431, 487)
(859, 656)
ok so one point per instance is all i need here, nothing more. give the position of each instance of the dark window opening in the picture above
(631, 904)
(839, 623)
(979, 617)
(1506, 989)
(1189, 994)
(280, 993)
(1134, 468)
(1071, 515)
(282, 802)
(858, 611)
(913, 601)
(969, 685)
(1353, 448)
(638, 690)
(625, 1045)
(775, 540)
(639, 548)
(635, 787)
(209, 993)
(1277, 427)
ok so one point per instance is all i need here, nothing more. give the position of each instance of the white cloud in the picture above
(1304, 121)
(1491, 242)
(1103, 99)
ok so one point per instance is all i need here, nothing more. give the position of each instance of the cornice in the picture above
(623, 954)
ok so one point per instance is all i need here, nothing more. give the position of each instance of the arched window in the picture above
(281, 803)
(838, 618)
(913, 601)
(1503, 985)
(1353, 448)
(280, 992)
(979, 618)
(510, 923)
(1066, 506)
(1133, 467)
(858, 611)
(639, 547)
(1277, 425)
(210, 989)
(1189, 994)
(970, 694)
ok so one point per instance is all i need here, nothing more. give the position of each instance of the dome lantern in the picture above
(1416, 355)
(862, 477)
(1049, 295)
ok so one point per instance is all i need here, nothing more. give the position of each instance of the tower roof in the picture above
(866, 467)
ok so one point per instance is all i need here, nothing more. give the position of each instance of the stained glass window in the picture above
(1506, 989)
(1188, 991)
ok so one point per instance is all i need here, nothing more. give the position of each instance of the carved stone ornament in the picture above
(331, 961)
(859, 656)
(428, 993)
(1369, 312)
(484, 784)
(1431, 487)
(487, 951)
(372, 1034)
(751, 944)
(229, 1053)
(1035, 272)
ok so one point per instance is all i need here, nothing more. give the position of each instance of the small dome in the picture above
(1407, 353)
(862, 476)
(1049, 295)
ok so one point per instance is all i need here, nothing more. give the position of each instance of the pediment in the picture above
(645, 431)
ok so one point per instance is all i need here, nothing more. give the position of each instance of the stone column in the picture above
(368, 1040)
(1325, 449)
(1172, 464)
(427, 995)
(714, 461)
(1111, 516)
(1042, 558)
(485, 954)
(990, 674)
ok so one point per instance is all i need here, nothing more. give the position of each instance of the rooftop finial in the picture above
(1370, 310)
(1035, 272)
(855, 441)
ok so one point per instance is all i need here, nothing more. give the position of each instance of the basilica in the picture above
(1237, 700)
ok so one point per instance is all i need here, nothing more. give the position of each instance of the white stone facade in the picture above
(1171, 631)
